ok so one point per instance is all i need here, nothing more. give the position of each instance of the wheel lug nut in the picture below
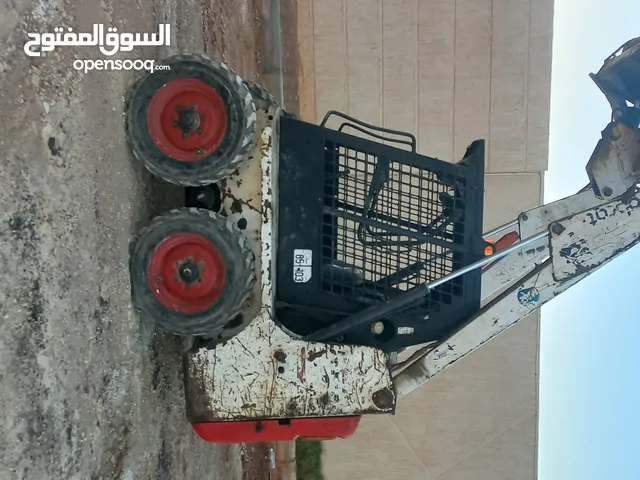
(175, 124)
(199, 151)
(199, 130)
(185, 134)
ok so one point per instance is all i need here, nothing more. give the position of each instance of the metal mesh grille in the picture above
(389, 226)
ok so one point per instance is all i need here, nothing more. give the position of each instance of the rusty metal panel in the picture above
(263, 371)
(586, 240)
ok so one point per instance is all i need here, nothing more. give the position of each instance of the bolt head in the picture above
(384, 399)
(615, 132)
(377, 328)
(557, 228)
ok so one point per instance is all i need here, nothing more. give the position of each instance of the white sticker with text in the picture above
(302, 262)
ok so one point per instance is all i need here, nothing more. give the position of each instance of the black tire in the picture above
(224, 317)
(238, 140)
(262, 98)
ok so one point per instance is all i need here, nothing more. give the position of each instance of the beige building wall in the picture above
(449, 71)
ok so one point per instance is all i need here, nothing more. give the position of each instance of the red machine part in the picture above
(205, 263)
(277, 430)
(175, 99)
(505, 242)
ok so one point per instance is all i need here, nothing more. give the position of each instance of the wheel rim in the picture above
(186, 273)
(187, 119)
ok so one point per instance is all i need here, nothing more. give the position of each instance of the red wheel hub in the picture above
(186, 273)
(187, 119)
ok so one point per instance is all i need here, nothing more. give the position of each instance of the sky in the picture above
(589, 424)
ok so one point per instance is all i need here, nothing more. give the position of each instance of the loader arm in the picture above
(572, 247)
(562, 242)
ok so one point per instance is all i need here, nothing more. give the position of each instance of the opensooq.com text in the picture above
(88, 65)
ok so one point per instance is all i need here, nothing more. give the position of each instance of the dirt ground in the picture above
(88, 390)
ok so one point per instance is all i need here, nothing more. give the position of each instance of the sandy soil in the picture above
(87, 389)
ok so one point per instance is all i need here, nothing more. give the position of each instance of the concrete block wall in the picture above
(449, 71)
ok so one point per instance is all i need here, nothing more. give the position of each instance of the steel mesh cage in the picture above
(389, 226)
(373, 221)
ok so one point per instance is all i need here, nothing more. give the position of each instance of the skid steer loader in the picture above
(308, 256)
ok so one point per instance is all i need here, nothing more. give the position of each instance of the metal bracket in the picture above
(614, 166)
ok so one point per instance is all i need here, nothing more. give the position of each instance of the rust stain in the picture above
(318, 354)
(197, 398)
(236, 206)
(302, 365)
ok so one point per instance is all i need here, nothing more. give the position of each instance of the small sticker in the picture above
(302, 262)
(528, 296)
(405, 330)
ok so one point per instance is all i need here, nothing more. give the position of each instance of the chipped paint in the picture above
(302, 364)
(510, 268)
(538, 219)
(263, 371)
(595, 236)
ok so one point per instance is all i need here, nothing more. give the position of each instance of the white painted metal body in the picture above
(264, 372)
